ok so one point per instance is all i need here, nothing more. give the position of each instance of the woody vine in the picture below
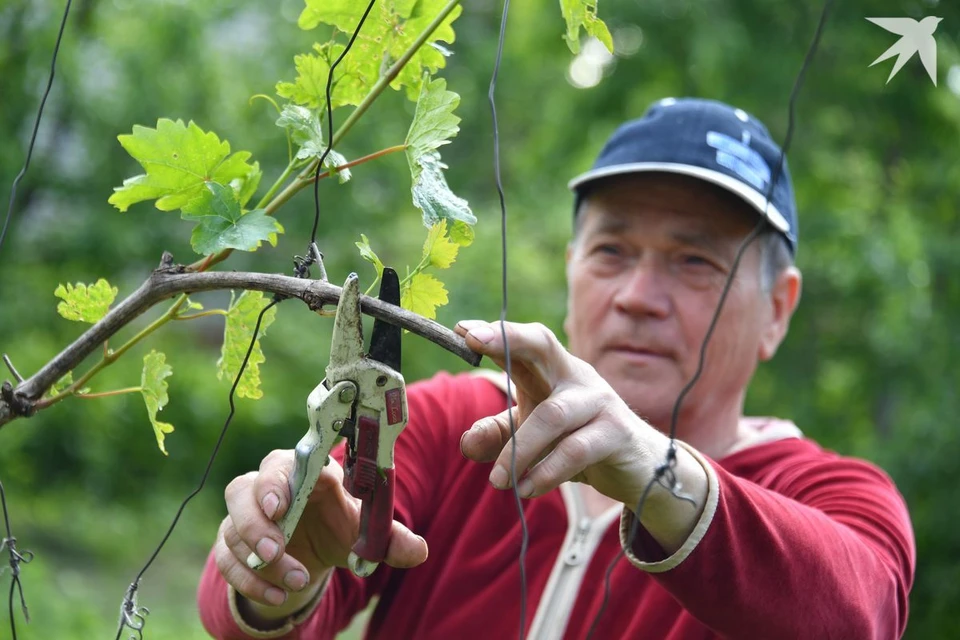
(402, 46)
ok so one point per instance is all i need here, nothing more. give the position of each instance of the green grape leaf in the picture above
(433, 196)
(60, 384)
(153, 386)
(461, 233)
(353, 78)
(433, 122)
(438, 250)
(178, 160)
(241, 319)
(367, 254)
(85, 303)
(422, 294)
(305, 130)
(583, 13)
(388, 32)
(224, 225)
(433, 125)
(246, 187)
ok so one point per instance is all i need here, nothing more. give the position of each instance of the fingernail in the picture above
(525, 488)
(270, 503)
(275, 596)
(295, 579)
(483, 334)
(267, 549)
(498, 477)
(466, 325)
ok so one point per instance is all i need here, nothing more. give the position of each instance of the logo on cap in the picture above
(739, 158)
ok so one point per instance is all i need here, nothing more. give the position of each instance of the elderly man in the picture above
(756, 532)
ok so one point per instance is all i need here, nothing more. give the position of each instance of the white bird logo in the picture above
(916, 37)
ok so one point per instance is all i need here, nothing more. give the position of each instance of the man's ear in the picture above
(784, 297)
(567, 257)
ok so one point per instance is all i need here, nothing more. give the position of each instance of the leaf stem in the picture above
(372, 285)
(279, 112)
(276, 185)
(424, 263)
(350, 165)
(115, 392)
(203, 314)
(112, 356)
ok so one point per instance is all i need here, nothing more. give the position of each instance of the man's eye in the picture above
(607, 249)
(695, 260)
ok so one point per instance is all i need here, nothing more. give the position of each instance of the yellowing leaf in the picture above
(85, 303)
(422, 294)
(367, 254)
(461, 233)
(178, 160)
(241, 320)
(223, 225)
(154, 390)
(390, 29)
(583, 13)
(438, 250)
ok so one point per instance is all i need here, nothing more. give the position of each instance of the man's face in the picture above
(645, 274)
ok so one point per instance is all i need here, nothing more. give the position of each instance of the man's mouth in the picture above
(639, 352)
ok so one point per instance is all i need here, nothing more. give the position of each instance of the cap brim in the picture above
(753, 197)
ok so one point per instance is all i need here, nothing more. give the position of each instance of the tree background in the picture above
(868, 368)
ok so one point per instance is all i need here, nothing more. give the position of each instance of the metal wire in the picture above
(16, 559)
(326, 152)
(131, 615)
(10, 542)
(36, 125)
(525, 536)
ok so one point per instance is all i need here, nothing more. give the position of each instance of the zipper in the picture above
(576, 551)
(563, 586)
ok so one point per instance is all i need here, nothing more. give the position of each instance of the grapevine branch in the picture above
(169, 280)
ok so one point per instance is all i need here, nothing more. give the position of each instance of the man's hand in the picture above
(323, 539)
(571, 425)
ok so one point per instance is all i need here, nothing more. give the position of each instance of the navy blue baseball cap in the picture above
(706, 139)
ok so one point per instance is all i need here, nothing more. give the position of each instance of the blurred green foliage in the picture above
(869, 367)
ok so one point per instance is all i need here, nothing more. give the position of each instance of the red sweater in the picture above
(795, 542)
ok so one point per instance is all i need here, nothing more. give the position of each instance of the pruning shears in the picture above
(363, 400)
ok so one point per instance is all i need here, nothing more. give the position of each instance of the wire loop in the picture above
(132, 616)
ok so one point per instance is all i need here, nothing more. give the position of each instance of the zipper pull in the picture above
(575, 552)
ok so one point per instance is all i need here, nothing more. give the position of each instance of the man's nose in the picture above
(644, 291)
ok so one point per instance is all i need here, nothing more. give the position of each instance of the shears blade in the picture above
(385, 339)
(346, 346)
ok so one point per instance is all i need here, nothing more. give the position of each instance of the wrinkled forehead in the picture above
(668, 202)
